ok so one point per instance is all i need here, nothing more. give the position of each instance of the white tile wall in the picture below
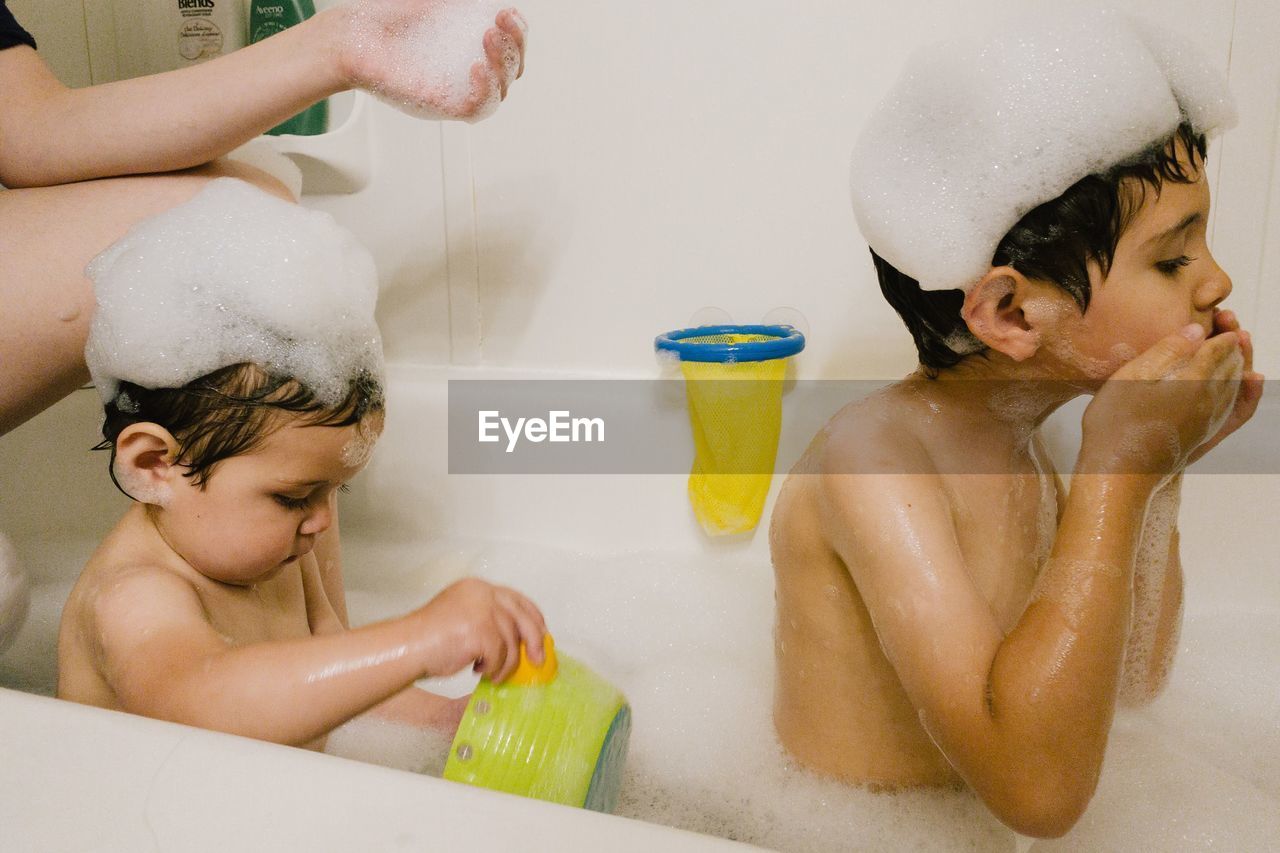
(664, 156)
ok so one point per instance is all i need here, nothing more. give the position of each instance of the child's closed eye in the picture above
(1171, 266)
(291, 502)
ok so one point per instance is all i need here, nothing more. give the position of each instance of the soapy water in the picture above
(234, 275)
(429, 63)
(977, 132)
(688, 639)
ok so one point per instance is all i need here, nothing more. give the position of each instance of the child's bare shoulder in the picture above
(875, 435)
(123, 576)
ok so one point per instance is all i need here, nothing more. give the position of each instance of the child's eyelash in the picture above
(290, 503)
(1172, 266)
(301, 503)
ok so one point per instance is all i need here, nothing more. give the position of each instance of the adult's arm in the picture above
(51, 134)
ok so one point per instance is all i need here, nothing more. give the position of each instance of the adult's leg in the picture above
(47, 236)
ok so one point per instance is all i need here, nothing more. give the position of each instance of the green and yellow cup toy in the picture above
(555, 732)
(733, 382)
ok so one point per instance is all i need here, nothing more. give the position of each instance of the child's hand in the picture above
(381, 47)
(476, 623)
(1154, 412)
(1250, 386)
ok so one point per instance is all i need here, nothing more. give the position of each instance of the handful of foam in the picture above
(977, 133)
(234, 275)
(429, 60)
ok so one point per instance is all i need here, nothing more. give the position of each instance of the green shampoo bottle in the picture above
(268, 17)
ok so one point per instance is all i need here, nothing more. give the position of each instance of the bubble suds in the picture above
(136, 485)
(1137, 686)
(688, 640)
(356, 452)
(15, 594)
(391, 744)
(234, 275)
(432, 57)
(976, 133)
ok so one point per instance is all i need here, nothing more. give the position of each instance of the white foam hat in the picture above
(978, 132)
(234, 275)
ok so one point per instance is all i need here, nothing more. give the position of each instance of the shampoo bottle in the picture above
(268, 17)
(164, 35)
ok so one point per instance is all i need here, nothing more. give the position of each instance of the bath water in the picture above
(689, 640)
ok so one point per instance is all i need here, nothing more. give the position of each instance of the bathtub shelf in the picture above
(337, 162)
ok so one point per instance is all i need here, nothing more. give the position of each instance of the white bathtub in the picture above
(1198, 769)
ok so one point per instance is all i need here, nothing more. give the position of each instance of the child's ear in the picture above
(145, 462)
(993, 311)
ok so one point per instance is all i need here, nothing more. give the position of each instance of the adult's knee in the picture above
(224, 167)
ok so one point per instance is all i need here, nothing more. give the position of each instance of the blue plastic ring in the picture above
(785, 341)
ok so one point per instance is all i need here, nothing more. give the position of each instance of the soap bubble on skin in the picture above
(1150, 573)
(977, 133)
(136, 485)
(234, 275)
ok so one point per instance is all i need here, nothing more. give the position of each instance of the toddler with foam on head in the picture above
(235, 349)
(1036, 205)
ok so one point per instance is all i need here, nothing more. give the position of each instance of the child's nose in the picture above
(1215, 288)
(317, 521)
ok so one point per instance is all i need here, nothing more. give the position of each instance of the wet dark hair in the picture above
(1055, 242)
(230, 412)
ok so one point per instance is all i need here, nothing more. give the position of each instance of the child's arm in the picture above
(164, 659)
(1023, 718)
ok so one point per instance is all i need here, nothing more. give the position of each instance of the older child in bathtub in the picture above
(947, 613)
(217, 599)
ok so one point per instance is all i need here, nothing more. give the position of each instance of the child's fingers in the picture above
(1169, 354)
(494, 657)
(510, 639)
(532, 628)
(1214, 351)
(527, 620)
(1225, 320)
(1246, 347)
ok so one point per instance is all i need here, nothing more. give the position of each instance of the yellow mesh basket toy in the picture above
(733, 383)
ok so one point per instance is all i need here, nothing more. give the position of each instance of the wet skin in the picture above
(921, 636)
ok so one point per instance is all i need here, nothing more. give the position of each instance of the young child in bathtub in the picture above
(947, 613)
(217, 599)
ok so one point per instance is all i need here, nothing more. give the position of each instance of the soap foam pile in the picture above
(977, 133)
(433, 56)
(688, 639)
(234, 275)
